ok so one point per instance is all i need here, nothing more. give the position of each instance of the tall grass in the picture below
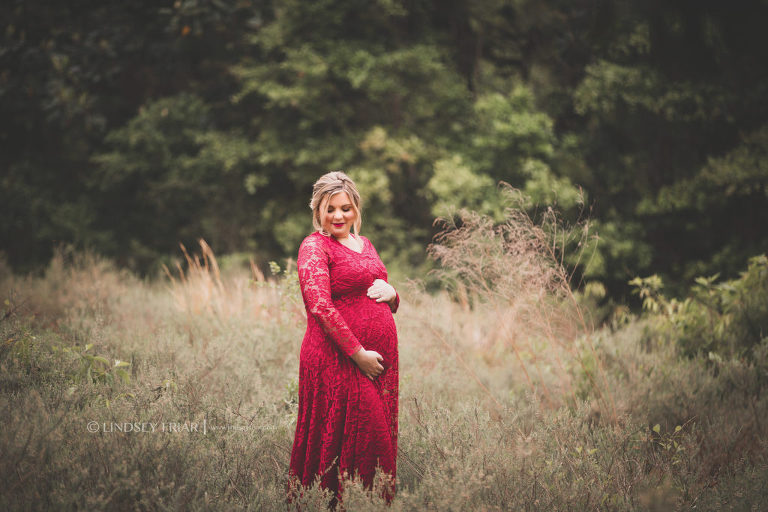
(221, 345)
(515, 277)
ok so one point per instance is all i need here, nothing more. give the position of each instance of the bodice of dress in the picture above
(333, 276)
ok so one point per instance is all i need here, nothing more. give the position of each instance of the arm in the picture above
(314, 279)
(395, 303)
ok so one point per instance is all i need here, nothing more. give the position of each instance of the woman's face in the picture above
(339, 216)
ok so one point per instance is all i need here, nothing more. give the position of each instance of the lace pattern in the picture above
(347, 423)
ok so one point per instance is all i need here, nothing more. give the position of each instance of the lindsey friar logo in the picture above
(147, 427)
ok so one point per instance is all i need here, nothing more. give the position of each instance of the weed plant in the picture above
(510, 399)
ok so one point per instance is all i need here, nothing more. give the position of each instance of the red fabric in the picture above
(346, 422)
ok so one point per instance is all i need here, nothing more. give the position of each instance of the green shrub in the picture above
(720, 320)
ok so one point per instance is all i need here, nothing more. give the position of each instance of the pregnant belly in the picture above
(373, 325)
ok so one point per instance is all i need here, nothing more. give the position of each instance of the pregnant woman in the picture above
(348, 366)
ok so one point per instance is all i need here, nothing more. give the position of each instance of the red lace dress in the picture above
(347, 423)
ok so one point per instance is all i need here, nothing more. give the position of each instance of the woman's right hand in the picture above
(369, 362)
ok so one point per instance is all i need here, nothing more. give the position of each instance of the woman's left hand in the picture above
(382, 291)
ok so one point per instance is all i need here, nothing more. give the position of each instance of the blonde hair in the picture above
(329, 185)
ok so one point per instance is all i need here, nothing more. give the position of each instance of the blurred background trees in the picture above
(128, 127)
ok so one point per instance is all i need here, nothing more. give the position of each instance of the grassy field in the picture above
(510, 399)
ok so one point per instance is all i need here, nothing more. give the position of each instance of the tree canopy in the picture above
(128, 127)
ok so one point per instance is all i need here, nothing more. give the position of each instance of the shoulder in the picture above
(313, 251)
(313, 242)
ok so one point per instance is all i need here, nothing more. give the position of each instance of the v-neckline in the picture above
(349, 248)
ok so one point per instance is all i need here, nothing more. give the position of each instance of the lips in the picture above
(339, 225)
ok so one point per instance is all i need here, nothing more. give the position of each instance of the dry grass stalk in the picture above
(200, 289)
(707, 450)
(516, 272)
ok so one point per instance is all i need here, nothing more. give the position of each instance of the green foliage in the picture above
(721, 320)
(510, 130)
(75, 72)
(130, 129)
(662, 100)
(738, 176)
(454, 185)
(688, 433)
(544, 187)
(608, 87)
(97, 369)
(286, 285)
(170, 163)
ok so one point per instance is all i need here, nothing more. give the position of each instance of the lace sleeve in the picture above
(314, 279)
(396, 305)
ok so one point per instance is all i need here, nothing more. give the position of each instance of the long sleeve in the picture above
(314, 279)
(396, 305)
